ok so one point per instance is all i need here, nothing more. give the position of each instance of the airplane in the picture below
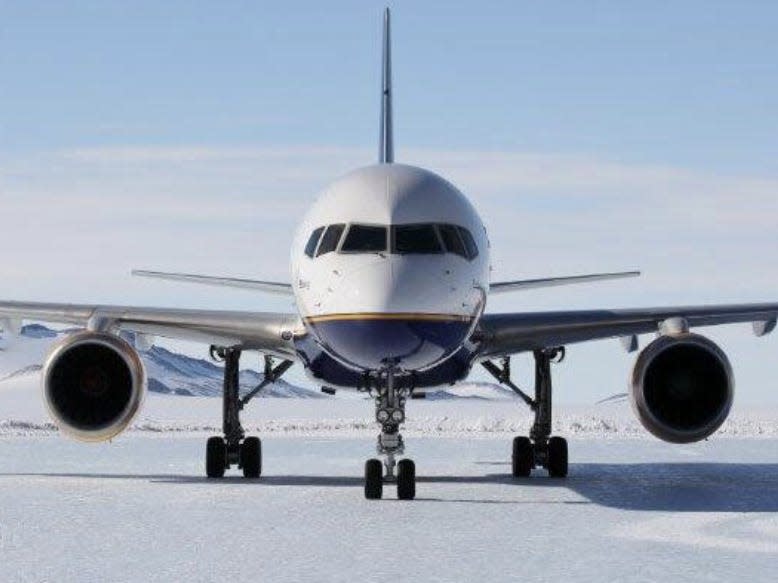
(390, 275)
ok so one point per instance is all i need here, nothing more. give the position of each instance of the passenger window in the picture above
(416, 239)
(329, 242)
(310, 247)
(364, 239)
(452, 240)
(472, 248)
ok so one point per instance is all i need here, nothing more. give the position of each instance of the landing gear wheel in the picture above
(523, 459)
(251, 457)
(406, 480)
(557, 457)
(215, 457)
(374, 479)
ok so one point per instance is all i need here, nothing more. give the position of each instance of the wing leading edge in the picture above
(503, 334)
(525, 284)
(271, 287)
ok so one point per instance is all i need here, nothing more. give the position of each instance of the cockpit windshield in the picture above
(415, 239)
(412, 239)
(452, 240)
(310, 247)
(365, 239)
(330, 240)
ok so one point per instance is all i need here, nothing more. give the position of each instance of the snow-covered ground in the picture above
(139, 509)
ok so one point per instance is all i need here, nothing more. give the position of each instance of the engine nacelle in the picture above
(682, 388)
(93, 385)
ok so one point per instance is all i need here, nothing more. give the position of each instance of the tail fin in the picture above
(386, 145)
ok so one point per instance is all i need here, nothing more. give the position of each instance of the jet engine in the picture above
(93, 385)
(682, 388)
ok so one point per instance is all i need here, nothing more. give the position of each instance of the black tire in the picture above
(523, 459)
(557, 457)
(406, 480)
(215, 457)
(251, 457)
(374, 479)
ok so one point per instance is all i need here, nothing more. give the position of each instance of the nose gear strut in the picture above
(390, 414)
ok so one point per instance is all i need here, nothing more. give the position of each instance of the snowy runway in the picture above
(139, 509)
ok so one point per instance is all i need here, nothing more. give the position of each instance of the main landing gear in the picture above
(539, 449)
(234, 449)
(390, 414)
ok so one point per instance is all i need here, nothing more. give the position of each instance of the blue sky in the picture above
(687, 82)
(591, 135)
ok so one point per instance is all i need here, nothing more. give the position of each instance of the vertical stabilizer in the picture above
(386, 145)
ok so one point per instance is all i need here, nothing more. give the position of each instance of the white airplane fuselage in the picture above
(410, 300)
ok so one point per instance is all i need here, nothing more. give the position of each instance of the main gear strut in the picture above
(235, 449)
(539, 449)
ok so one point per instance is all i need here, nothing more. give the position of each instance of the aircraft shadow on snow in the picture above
(684, 487)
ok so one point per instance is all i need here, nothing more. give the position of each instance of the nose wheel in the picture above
(405, 479)
(374, 479)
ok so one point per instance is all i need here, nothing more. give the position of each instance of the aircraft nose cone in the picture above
(392, 310)
(372, 341)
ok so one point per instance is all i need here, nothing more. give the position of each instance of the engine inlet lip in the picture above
(137, 376)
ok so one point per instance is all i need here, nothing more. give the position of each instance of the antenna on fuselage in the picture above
(386, 145)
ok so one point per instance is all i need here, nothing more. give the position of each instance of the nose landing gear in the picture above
(390, 414)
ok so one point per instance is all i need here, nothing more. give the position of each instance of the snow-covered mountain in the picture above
(178, 374)
(173, 373)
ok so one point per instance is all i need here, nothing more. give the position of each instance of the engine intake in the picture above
(93, 385)
(682, 388)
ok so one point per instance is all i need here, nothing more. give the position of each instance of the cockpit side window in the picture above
(452, 240)
(310, 247)
(470, 246)
(330, 240)
(365, 239)
(415, 239)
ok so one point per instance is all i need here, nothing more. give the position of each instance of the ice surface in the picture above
(139, 509)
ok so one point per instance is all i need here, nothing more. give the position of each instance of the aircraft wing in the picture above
(270, 333)
(271, 287)
(503, 334)
(525, 284)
